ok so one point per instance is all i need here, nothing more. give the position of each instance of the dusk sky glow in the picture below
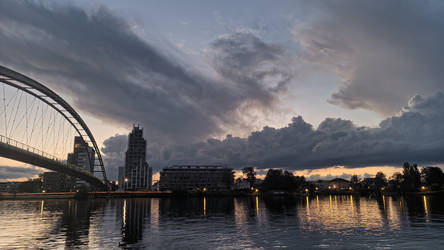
(321, 88)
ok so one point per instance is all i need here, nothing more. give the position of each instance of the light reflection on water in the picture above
(333, 222)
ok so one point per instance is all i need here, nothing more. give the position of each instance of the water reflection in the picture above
(217, 222)
(133, 219)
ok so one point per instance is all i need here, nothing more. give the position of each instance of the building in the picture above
(57, 182)
(196, 178)
(338, 184)
(121, 178)
(321, 185)
(8, 187)
(138, 174)
(83, 155)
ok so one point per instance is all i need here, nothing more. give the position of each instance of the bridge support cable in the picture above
(54, 126)
(4, 107)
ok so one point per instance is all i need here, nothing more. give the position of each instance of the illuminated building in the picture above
(138, 174)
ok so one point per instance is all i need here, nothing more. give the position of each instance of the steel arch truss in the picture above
(43, 93)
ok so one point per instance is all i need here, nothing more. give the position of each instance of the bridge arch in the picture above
(52, 99)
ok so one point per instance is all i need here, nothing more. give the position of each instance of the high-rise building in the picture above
(138, 174)
(83, 156)
(121, 178)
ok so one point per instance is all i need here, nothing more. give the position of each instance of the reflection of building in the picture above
(57, 182)
(138, 174)
(133, 218)
(195, 178)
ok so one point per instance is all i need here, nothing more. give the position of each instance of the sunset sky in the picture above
(322, 88)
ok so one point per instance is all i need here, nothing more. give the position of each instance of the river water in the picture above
(318, 222)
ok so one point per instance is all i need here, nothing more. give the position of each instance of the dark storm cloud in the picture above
(385, 52)
(8, 172)
(98, 60)
(415, 135)
(257, 66)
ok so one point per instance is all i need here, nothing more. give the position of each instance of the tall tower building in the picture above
(79, 156)
(138, 174)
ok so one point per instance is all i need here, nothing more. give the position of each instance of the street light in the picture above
(126, 184)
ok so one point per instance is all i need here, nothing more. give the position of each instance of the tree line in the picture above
(412, 179)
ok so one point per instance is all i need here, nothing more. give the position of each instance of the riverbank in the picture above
(152, 194)
(89, 195)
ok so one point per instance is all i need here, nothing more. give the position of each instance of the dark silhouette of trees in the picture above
(395, 183)
(433, 177)
(380, 182)
(411, 178)
(355, 183)
(277, 179)
(251, 175)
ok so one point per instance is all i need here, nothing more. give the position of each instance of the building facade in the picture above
(191, 178)
(138, 174)
(8, 187)
(57, 182)
(79, 156)
(83, 156)
(121, 178)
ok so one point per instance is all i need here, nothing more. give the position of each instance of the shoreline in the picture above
(169, 194)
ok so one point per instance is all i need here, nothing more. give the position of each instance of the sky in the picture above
(316, 87)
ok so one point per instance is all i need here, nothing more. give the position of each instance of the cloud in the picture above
(8, 172)
(244, 58)
(414, 135)
(96, 59)
(113, 150)
(385, 53)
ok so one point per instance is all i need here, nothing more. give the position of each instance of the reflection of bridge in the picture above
(24, 152)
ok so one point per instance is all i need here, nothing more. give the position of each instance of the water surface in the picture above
(318, 222)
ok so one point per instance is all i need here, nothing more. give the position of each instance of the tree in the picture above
(433, 177)
(395, 182)
(411, 177)
(251, 175)
(355, 182)
(277, 179)
(380, 181)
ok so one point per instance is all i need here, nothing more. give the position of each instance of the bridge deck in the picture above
(14, 150)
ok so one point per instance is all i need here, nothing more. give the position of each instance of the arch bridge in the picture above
(29, 107)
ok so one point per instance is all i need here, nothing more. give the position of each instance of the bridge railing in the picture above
(28, 148)
(39, 152)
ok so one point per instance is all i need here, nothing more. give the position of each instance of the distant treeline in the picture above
(411, 179)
